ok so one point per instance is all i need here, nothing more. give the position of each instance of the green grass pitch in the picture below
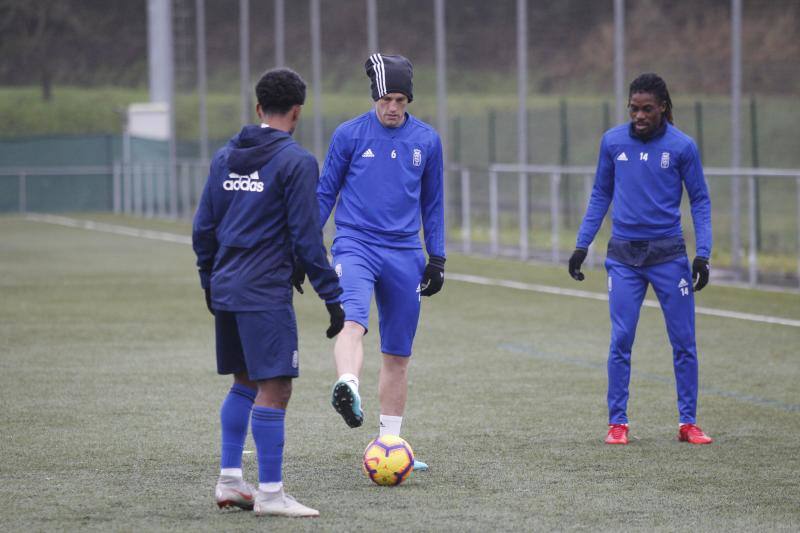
(109, 404)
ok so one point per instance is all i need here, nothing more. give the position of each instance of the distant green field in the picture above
(482, 130)
(110, 404)
(483, 124)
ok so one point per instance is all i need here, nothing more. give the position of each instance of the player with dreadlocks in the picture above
(643, 167)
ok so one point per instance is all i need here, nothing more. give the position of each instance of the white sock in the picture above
(233, 472)
(390, 425)
(351, 378)
(273, 486)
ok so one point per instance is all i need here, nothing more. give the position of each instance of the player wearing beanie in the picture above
(385, 168)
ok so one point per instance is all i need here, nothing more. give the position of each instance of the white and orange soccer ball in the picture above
(388, 460)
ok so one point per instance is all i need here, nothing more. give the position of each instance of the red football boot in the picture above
(617, 434)
(692, 434)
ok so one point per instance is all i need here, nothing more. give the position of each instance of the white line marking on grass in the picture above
(111, 228)
(466, 278)
(558, 291)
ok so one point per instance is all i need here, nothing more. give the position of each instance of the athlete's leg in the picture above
(269, 339)
(393, 385)
(269, 430)
(357, 267)
(269, 423)
(348, 352)
(241, 378)
(234, 415)
(235, 410)
(672, 283)
(626, 290)
(269, 414)
(398, 300)
(231, 490)
(274, 393)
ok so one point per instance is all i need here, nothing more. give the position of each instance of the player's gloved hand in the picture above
(298, 277)
(575, 261)
(336, 310)
(700, 271)
(208, 300)
(433, 277)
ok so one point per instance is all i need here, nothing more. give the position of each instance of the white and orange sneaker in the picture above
(617, 434)
(279, 503)
(692, 434)
(232, 491)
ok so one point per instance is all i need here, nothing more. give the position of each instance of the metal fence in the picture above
(148, 189)
(142, 189)
(513, 50)
(521, 211)
(538, 216)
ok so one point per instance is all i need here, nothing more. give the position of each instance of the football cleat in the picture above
(234, 492)
(347, 402)
(419, 466)
(617, 434)
(692, 434)
(279, 503)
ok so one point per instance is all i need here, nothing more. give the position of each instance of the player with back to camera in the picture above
(386, 169)
(258, 212)
(642, 168)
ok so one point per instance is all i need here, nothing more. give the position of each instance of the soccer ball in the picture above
(388, 460)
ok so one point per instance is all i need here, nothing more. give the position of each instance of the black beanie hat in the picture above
(390, 74)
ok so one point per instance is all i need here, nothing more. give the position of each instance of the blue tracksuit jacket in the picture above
(258, 210)
(387, 178)
(644, 179)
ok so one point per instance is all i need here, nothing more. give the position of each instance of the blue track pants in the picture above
(627, 285)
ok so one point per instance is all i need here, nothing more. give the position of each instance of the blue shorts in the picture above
(261, 343)
(394, 274)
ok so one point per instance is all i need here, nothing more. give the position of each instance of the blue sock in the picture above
(268, 432)
(234, 416)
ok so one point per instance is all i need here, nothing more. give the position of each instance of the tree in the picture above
(73, 41)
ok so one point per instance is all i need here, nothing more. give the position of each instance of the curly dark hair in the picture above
(280, 89)
(653, 84)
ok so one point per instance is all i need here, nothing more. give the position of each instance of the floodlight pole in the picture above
(202, 82)
(736, 131)
(280, 21)
(161, 60)
(244, 60)
(316, 75)
(372, 26)
(619, 59)
(522, 122)
(441, 91)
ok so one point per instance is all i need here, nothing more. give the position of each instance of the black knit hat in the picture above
(390, 74)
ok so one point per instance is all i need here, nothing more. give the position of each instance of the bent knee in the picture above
(353, 328)
(395, 362)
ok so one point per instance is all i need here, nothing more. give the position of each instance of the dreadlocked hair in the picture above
(653, 84)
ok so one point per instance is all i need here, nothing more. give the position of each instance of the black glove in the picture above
(208, 300)
(298, 276)
(700, 271)
(433, 277)
(575, 261)
(336, 310)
